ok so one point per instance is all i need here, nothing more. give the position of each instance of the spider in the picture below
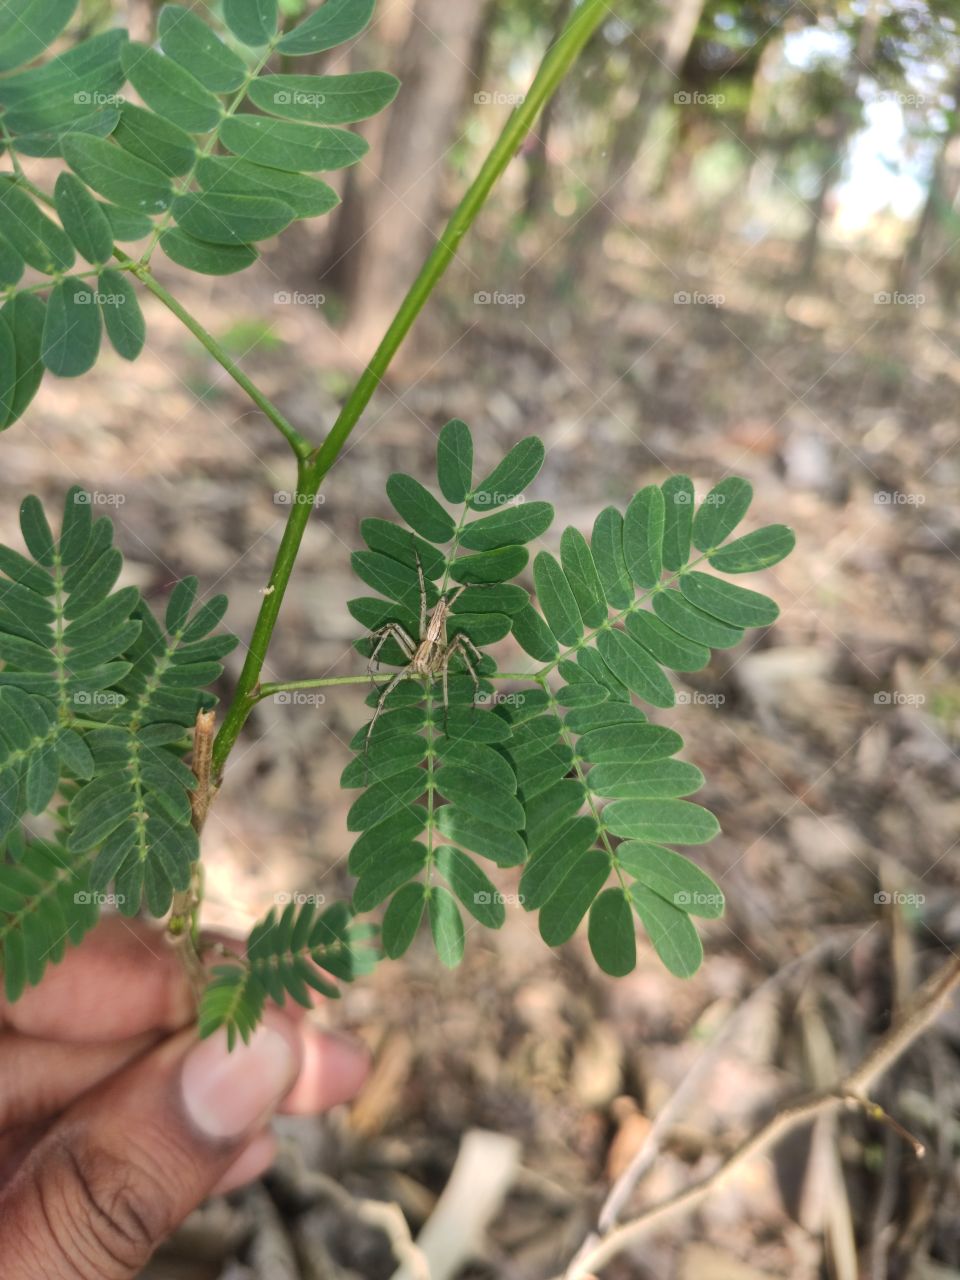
(430, 655)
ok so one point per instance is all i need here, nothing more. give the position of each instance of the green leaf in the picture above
(678, 500)
(472, 886)
(400, 544)
(481, 760)
(400, 829)
(551, 861)
(122, 178)
(757, 550)
(582, 695)
(606, 543)
(691, 622)
(580, 571)
(720, 512)
(659, 779)
(208, 259)
(299, 148)
(661, 821)
(325, 99)
(573, 896)
(71, 330)
(11, 264)
(446, 925)
(419, 508)
(231, 219)
(511, 476)
(24, 314)
(643, 527)
(533, 635)
(392, 869)
(156, 140)
(384, 798)
(188, 40)
(27, 27)
(500, 565)
(629, 744)
(169, 90)
(253, 22)
(8, 371)
(308, 197)
(402, 919)
(501, 846)
(510, 526)
(122, 316)
(125, 224)
(729, 603)
(36, 531)
(674, 938)
(556, 599)
(610, 713)
(38, 240)
(480, 796)
(455, 460)
(634, 666)
(666, 645)
(83, 219)
(611, 933)
(672, 876)
(333, 23)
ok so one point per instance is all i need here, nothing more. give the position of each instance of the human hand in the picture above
(115, 1121)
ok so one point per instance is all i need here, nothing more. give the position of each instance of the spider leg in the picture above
(390, 631)
(462, 647)
(384, 695)
(423, 596)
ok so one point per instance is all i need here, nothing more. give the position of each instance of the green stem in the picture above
(312, 470)
(298, 444)
(326, 682)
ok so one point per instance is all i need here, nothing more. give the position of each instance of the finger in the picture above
(333, 1070)
(252, 1163)
(125, 978)
(123, 1166)
(40, 1077)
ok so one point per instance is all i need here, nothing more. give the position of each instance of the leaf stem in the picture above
(298, 444)
(314, 467)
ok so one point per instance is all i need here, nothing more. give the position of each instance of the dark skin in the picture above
(115, 1122)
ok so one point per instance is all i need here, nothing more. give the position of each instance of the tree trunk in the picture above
(389, 217)
(928, 250)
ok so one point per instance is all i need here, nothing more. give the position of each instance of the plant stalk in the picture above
(313, 468)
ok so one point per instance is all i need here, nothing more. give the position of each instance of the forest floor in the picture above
(829, 743)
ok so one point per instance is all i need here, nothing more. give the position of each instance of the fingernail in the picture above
(226, 1093)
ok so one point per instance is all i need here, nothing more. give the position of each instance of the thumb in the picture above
(122, 1167)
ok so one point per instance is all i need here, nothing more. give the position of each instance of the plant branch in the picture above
(312, 469)
(854, 1087)
(298, 444)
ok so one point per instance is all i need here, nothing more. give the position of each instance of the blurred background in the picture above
(732, 245)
